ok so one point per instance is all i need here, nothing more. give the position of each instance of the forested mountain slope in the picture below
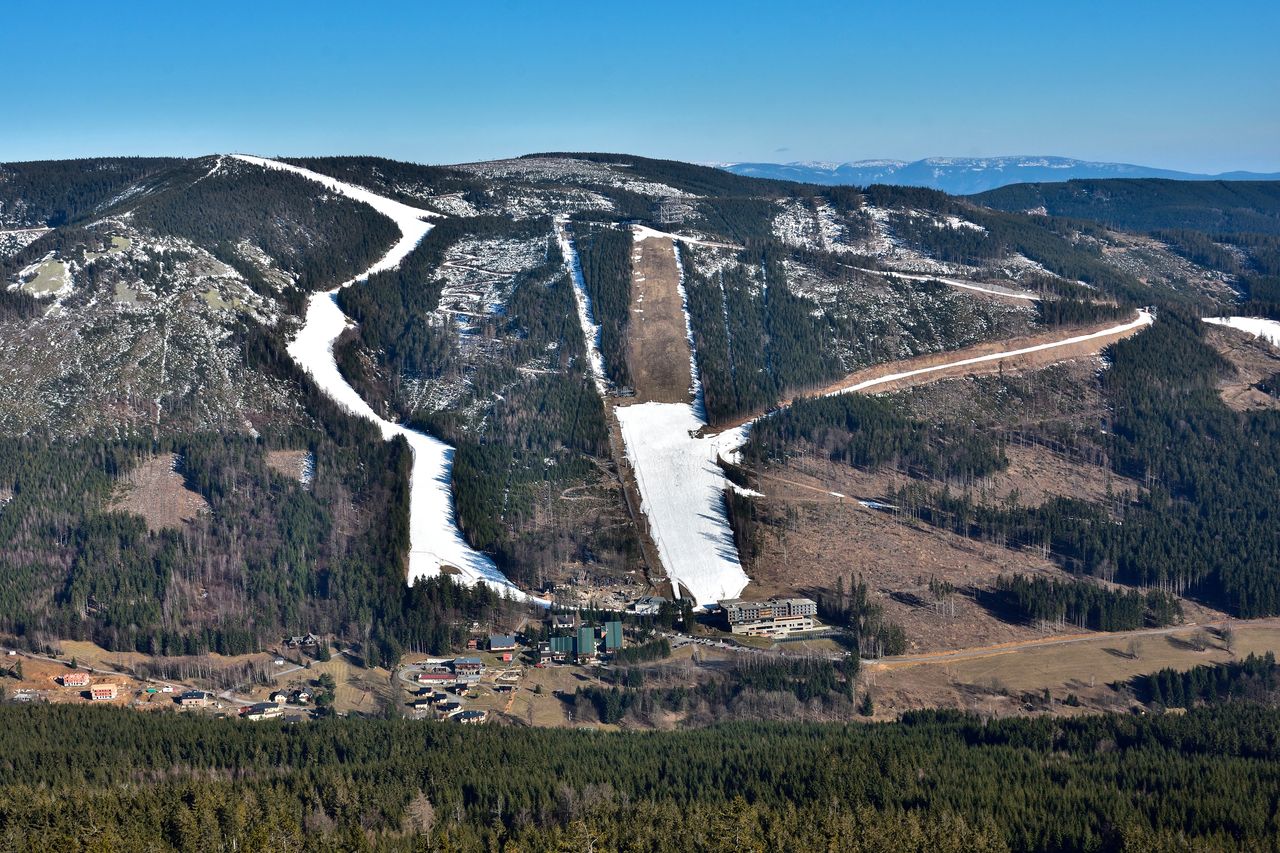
(148, 303)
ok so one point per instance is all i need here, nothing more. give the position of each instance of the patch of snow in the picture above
(640, 233)
(590, 328)
(695, 378)
(1259, 327)
(682, 495)
(969, 285)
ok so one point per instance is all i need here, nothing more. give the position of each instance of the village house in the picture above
(468, 667)
(435, 678)
(502, 643)
(471, 717)
(261, 711)
(75, 679)
(103, 692)
(194, 699)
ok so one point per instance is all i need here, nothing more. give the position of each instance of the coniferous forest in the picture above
(935, 781)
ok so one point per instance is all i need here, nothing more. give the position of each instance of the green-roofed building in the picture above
(612, 636)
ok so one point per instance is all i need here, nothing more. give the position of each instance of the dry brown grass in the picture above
(155, 491)
(1095, 669)
(657, 349)
(1254, 360)
(288, 463)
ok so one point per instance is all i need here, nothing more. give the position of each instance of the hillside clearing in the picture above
(157, 492)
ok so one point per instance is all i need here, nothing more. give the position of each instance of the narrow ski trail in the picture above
(435, 543)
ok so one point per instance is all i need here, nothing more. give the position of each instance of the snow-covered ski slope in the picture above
(434, 538)
(680, 481)
(590, 328)
(1259, 327)
(682, 494)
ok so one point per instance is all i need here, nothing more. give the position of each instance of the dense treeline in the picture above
(755, 340)
(1253, 260)
(321, 239)
(407, 182)
(269, 558)
(54, 193)
(1079, 312)
(394, 307)
(750, 688)
(1151, 204)
(643, 653)
(1254, 679)
(873, 635)
(1204, 525)
(541, 433)
(605, 255)
(935, 782)
(1084, 604)
(1048, 240)
(959, 244)
(873, 432)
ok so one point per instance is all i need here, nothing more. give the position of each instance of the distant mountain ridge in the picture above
(966, 175)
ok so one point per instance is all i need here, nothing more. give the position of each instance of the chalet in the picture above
(301, 696)
(103, 692)
(194, 699)
(447, 708)
(468, 667)
(502, 643)
(563, 621)
(470, 717)
(261, 711)
(75, 679)
(297, 642)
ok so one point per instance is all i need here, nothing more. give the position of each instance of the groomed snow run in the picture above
(966, 285)
(682, 495)
(644, 232)
(590, 328)
(731, 441)
(434, 538)
(1144, 318)
(1259, 327)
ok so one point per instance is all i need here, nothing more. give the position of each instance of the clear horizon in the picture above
(1173, 85)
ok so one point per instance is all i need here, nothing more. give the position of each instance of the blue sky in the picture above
(1175, 84)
